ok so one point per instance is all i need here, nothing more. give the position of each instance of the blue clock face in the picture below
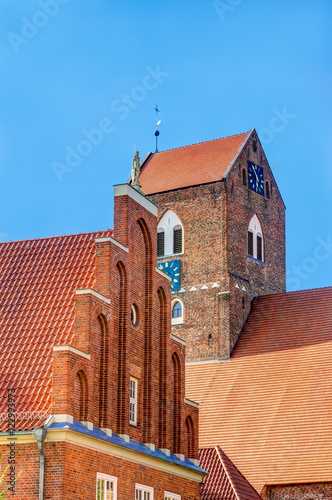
(256, 178)
(172, 268)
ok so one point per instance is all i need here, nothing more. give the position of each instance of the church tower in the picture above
(221, 237)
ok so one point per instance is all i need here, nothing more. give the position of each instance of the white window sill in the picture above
(169, 255)
(177, 321)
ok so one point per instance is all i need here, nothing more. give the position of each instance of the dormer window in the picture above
(255, 239)
(169, 235)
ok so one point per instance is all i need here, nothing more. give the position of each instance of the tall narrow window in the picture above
(177, 312)
(267, 190)
(255, 239)
(177, 239)
(106, 487)
(160, 242)
(133, 401)
(250, 243)
(259, 247)
(244, 177)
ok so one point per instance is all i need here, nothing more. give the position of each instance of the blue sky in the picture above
(215, 68)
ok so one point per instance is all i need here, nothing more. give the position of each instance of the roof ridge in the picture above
(219, 451)
(220, 454)
(293, 292)
(56, 236)
(201, 142)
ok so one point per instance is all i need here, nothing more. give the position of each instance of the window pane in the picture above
(99, 486)
(177, 310)
(160, 243)
(250, 243)
(177, 241)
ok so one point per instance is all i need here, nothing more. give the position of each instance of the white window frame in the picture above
(143, 489)
(256, 229)
(171, 496)
(179, 320)
(111, 479)
(168, 222)
(133, 401)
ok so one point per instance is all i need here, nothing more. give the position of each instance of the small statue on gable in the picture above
(135, 171)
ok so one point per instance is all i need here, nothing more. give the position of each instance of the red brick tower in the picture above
(221, 236)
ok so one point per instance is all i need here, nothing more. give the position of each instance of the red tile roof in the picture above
(38, 279)
(224, 481)
(270, 406)
(192, 165)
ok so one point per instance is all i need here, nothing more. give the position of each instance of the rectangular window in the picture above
(133, 401)
(171, 496)
(106, 487)
(143, 492)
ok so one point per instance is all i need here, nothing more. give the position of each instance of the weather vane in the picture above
(156, 133)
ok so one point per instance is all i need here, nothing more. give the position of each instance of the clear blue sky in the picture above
(214, 68)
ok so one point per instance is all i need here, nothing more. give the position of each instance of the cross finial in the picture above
(156, 133)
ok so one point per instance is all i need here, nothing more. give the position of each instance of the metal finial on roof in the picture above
(156, 133)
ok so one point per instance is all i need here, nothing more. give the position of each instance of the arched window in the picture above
(190, 438)
(81, 397)
(255, 239)
(177, 312)
(169, 235)
(177, 428)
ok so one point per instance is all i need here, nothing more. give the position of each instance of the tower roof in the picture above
(192, 165)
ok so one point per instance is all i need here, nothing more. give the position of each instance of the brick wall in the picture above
(311, 491)
(70, 472)
(215, 219)
(119, 349)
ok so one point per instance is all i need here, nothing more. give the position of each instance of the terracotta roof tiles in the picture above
(270, 406)
(192, 165)
(38, 279)
(224, 481)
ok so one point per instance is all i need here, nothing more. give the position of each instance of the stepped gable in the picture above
(192, 165)
(224, 480)
(269, 407)
(38, 279)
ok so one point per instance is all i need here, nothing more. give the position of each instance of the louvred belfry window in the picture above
(250, 243)
(177, 240)
(160, 242)
(259, 248)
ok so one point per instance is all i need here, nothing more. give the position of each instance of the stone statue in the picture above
(135, 170)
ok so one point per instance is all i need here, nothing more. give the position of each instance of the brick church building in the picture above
(92, 401)
(258, 358)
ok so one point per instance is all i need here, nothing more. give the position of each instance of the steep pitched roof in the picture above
(38, 279)
(192, 165)
(224, 481)
(270, 406)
